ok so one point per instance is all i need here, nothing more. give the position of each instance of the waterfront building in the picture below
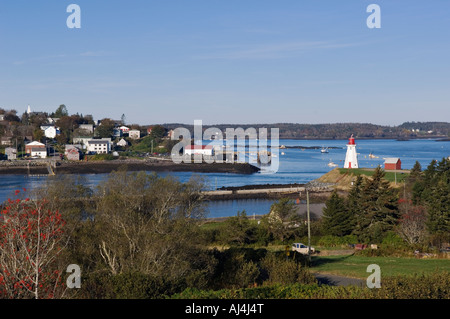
(393, 163)
(72, 152)
(198, 150)
(98, 146)
(35, 145)
(11, 153)
(38, 152)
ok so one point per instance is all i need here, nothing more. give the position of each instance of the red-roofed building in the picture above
(392, 164)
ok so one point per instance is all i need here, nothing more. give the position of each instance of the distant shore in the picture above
(104, 167)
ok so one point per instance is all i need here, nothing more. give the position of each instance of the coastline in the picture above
(104, 167)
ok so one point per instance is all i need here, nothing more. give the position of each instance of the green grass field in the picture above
(356, 266)
(390, 176)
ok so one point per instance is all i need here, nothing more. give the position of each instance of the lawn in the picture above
(356, 266)
(390, 176)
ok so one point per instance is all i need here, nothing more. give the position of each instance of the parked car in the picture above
(301, 248)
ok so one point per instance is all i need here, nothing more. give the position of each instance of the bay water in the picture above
(301, 164)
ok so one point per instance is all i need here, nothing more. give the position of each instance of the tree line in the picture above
(419, 212)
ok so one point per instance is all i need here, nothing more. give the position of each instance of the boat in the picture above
(324, 150)
(372, 156)
(331, 164)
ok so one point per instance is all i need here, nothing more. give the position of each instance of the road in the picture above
(334, 280)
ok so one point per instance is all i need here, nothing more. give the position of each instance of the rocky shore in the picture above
(102, 167)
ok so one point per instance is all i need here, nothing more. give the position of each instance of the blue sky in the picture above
(234, 61)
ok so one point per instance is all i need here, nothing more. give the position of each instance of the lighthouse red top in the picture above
(351, 140)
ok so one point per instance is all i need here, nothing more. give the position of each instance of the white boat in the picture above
(331, 164)
(324, 150)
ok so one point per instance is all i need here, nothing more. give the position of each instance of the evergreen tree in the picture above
(337, 218)
(353, 202)
(378, 208)
(433, 191)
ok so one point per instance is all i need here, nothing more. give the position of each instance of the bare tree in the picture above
(412, 223)
(31, 238)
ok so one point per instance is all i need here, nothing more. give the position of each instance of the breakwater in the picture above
(270, 191)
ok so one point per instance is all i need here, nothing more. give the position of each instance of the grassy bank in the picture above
(356, 266)
(389, 175)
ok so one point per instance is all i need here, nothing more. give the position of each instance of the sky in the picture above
(229, 62)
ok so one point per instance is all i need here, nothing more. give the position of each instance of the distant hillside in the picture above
(408, 130)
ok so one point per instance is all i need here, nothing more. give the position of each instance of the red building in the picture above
(392, 164)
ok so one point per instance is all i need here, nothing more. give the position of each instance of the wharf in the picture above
(267, 191)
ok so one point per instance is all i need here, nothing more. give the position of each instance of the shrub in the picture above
(333, 241)
(434, 286)
(101, 157)
(284, 271)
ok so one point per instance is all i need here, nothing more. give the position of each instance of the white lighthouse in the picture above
(351, 158)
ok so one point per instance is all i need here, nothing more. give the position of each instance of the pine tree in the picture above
(378, 207)
(337, 219)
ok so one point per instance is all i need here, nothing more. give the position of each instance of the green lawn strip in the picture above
(390, 176)
(356, 266)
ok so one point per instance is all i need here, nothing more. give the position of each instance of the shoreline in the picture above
(105, 167)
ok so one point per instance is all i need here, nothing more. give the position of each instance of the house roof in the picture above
(35, 143)
(72, 146)
(72, 151)
(98, 142)
(391, 160)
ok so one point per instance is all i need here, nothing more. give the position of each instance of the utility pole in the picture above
(309, 226)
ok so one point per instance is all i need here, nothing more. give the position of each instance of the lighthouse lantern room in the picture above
(351, 158)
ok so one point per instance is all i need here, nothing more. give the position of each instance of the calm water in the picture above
(296, 166)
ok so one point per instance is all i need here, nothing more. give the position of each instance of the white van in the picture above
(301, 248)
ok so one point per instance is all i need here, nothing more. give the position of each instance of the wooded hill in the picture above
(407, 130)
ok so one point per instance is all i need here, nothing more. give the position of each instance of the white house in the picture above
(199, 150)
(134, 134)
(34, 145)
(99, 146)
(84, 140)
(122, 143)
(2, 117)
(50, 131)
(124, 129)
(40, 152)
(87, 127)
